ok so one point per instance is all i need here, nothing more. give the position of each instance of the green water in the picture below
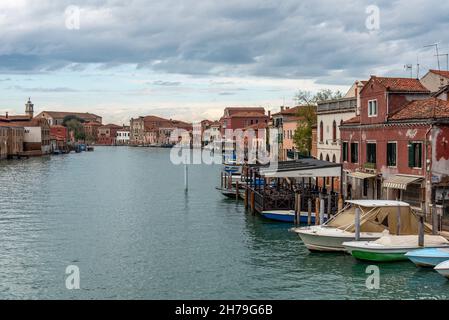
(121, 215)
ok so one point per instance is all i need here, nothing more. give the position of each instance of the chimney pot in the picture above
(6, 114)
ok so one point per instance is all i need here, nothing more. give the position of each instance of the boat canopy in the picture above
(378, 218)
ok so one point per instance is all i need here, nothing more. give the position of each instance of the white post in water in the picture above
(357, 224)
(322, 211)
(186, 178)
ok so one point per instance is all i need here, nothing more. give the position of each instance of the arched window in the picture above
(321, 131)
(334, 131)
(321, 156)
(334, 160)
(327, 158)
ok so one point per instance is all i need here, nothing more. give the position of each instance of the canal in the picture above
(121, 215)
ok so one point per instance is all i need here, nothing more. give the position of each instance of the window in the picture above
(391, 154)
(345, 152)
(334, 160)
(371, 152)
(372, 108)
(321, 131)
(354, 152)
(415, 154)
(334, 131)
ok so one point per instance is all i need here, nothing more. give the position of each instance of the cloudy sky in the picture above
(189, 59)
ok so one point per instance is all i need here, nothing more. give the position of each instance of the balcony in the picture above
(337, 105)
(369, 165)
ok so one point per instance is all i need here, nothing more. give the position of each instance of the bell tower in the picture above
(29, 108)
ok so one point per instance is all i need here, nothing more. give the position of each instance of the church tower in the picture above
(29, 108)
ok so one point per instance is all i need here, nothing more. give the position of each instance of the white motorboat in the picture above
(443, 269)
(377, 218)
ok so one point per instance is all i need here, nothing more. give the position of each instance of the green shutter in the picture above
(419, 159)
(411, 155)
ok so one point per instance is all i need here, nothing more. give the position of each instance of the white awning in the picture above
(400, 181)
(303, 173)
(361, 175)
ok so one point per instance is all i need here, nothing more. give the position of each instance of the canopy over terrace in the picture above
(302, 168)
(284, 179)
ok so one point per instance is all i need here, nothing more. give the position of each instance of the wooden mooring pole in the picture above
(322, 211)
(309, 211)
(357, 224)
(317, 210)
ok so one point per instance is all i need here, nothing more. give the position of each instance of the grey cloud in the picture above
(290, 39)
(166, 83)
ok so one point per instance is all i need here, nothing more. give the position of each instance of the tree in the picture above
(75, 124)
(307, 112)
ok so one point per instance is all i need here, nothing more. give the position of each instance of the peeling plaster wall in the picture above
(440, 154)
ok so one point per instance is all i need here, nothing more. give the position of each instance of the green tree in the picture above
(307, 112)
(75, 124)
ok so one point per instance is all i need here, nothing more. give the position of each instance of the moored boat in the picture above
(443, 269)
(378, 217)
(287, 216)
(392, 247)
(429, 257)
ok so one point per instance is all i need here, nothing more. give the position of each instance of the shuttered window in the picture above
(415, 154)
(391, 154)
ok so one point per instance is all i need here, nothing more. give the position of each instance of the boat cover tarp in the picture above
(378, 219)
(410, 241)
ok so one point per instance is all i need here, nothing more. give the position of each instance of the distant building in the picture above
(122, 136)
(91, 131)
(3, 142)
(153, 130)
(59, 138)
(242, 117)
(107, 134)
(290, 115)
(57, 117)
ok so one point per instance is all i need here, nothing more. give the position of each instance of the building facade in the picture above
(376, 150)
(57, 117)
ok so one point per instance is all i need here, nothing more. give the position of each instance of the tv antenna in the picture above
(447, 59)
(407, 67)
(437, 55)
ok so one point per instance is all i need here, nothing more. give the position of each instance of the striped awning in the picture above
(400, 181)
(361, 175)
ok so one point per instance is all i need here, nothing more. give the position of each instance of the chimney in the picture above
(6, 114)
(286, 108)
(282, 108)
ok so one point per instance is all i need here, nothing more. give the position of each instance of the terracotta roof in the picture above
(62, 114)
(248, 114)
(353, 120)
(289, 111)
(400, 84)
(442, 73)
(423, 109)
(92, 123)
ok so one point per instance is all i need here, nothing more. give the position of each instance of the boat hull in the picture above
(329, 242)
(288, 216)
(379, 254)
(443, 269)
(428, 257)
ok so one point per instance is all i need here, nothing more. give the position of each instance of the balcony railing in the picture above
(370, 165)
(340, 104)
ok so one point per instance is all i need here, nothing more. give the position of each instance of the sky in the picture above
(190, 59)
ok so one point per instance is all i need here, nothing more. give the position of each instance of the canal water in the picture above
(121, 215)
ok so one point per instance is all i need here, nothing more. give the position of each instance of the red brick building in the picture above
(242, 117)
(396, 148)
(107, 134)
(59, 137)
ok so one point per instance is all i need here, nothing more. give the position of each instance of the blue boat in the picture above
(429, 257)
(287, 216)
